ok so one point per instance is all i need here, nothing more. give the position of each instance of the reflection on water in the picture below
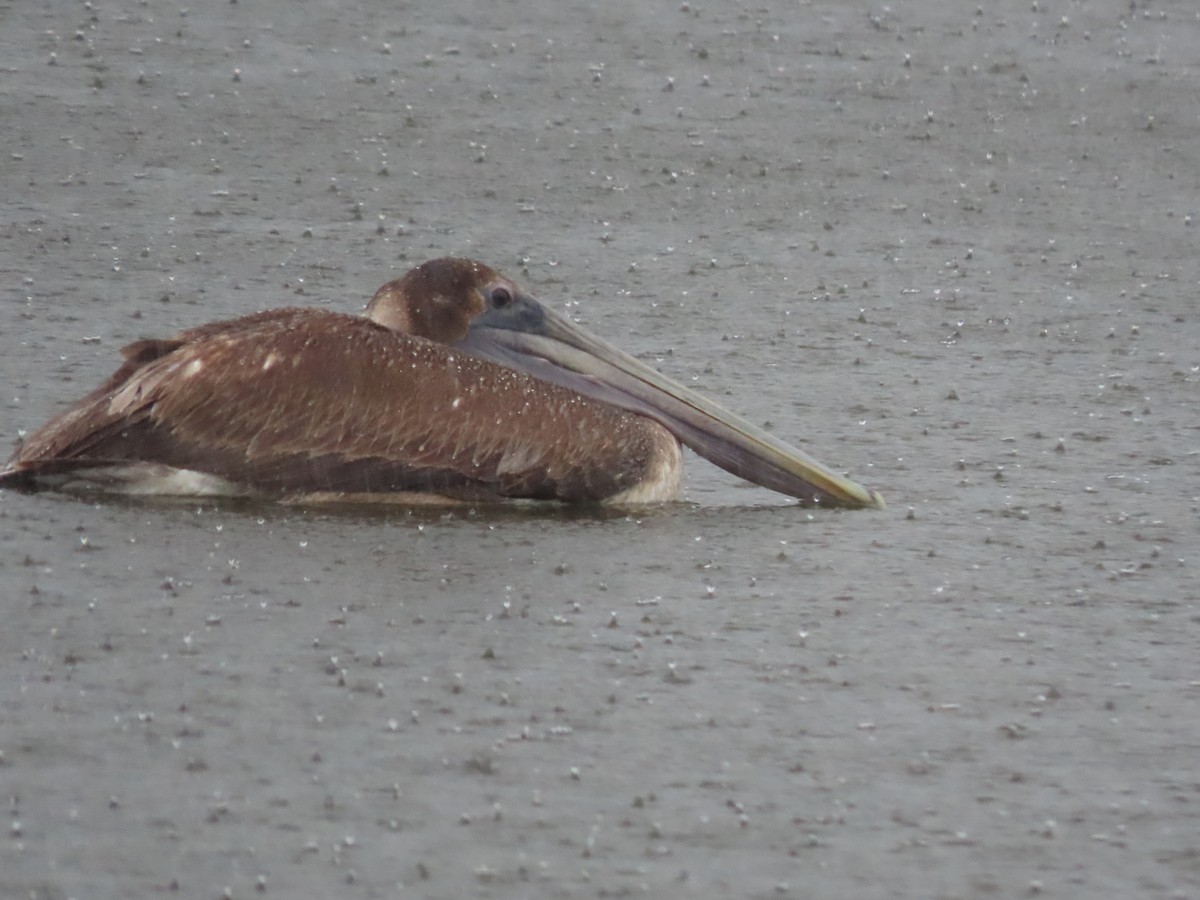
(500, 512)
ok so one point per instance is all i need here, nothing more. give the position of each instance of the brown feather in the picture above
(337, 403)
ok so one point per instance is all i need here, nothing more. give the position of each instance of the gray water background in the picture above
(948, 248)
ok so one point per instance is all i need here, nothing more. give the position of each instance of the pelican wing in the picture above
(300, 401)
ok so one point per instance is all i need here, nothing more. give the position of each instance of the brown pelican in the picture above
(455, 384)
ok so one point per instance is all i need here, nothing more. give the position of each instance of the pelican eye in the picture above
(500, 297)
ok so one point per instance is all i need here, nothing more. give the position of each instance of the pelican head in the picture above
(475, 308)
